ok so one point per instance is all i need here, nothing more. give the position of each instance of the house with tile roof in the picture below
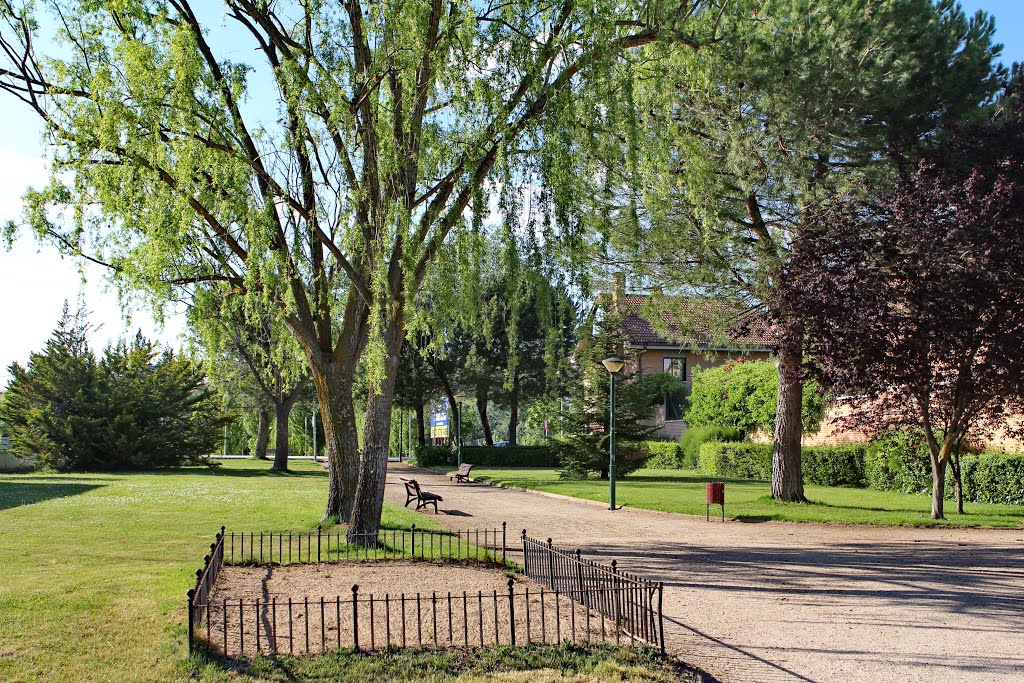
(676, 334)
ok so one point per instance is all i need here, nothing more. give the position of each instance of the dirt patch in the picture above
(336, 579)
(301, 609)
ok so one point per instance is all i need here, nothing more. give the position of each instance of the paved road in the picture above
(777, 601)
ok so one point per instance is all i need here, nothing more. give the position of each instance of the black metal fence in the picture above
(579, 601)
(206, 578)
(632, 603)
(286, 625)
(305, 547)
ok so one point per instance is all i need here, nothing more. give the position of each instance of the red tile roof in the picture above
(690, 322)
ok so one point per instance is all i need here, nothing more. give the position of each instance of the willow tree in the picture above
(315, 155)
(504, 332)
(251, 338)
(719, 160)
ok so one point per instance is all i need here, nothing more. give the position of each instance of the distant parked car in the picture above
(499, 444)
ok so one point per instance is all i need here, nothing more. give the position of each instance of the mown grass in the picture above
(534, 664)
(94, 567)
(748, 500)
(94, 570)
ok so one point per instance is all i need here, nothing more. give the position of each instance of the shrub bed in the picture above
(487, 456)
(994, 477)
(742, 460)
(664, 455)
(822, 465)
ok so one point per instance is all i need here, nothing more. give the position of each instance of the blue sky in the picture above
(35, 281)
(1009, 16)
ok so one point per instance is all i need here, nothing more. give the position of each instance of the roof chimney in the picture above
(618, 292)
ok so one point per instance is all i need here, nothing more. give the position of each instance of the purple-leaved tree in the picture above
(914, 303)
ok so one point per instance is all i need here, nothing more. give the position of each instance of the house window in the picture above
(674, 402)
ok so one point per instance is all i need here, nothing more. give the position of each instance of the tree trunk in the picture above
(513, 413)
(787, 477)
(481, 408)
(262, 434)
(338, 418)
(453, 407)
(938, 487)
(958, 486)
(421, 431)
(282, 411)
(369, 502)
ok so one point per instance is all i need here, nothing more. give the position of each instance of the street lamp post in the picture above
(613, 365)
(460, 398)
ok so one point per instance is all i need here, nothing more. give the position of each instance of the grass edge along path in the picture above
(534, 663)
(683, 491)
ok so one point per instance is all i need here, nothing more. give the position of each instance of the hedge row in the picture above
(994, 478)
(490, 456)
(841, 465)
(742, 460)
(896, 462)
(900, 462)
(665, 455)
(822, 465)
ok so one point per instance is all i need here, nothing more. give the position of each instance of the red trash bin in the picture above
(715, 496)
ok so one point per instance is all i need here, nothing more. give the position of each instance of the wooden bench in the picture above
(422, 498)
(462, 475)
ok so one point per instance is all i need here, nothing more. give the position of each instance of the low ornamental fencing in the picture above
(604, 606)
(286, 625)
(304, 547)
(307, 547)
(206, 578)
(632, 603)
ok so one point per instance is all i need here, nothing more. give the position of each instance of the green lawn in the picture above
(94, 567)
(683, 491)
(94, 570)
(533, 664)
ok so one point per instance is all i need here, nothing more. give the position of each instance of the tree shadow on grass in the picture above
(17, 493)
(233, 472)
(951, 517)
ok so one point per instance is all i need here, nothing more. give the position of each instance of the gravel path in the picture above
(776, 601)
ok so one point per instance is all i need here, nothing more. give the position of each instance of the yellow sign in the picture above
(439, 432)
